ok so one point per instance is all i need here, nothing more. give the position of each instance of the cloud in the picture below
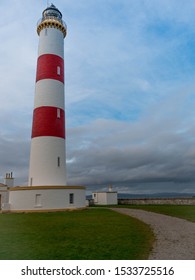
(154, 148)
(14, 154)
(129, 87)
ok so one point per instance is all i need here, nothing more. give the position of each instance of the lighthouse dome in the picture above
(51, 17)
(52, 11)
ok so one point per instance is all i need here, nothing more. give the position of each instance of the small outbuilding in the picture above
(105, 198)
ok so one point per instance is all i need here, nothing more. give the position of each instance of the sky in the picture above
(129, 91)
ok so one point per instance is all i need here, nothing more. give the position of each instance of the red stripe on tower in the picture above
(48, 121)
(50, 66)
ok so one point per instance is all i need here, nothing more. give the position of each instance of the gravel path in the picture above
(175, 237)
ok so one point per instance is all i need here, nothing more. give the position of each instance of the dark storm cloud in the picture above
(158, 147)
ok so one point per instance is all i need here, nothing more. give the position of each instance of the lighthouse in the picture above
(47, 189)
(47, 156)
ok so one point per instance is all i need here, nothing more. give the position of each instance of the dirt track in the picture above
(175, 238)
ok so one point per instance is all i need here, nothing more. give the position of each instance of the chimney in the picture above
(9, 180)
(110, 188)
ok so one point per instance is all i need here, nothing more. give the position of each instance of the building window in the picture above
(58, 70)
(45, 31)
(58, 161)
(71, 198)
(38, 198)
(58, 113)
(31, 181)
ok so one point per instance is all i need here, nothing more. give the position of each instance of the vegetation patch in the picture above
(181, 211)
(83, 235)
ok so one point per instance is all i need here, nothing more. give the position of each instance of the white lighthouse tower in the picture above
(47, 157)
(47, 189)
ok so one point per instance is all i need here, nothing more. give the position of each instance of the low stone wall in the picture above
(158, 201)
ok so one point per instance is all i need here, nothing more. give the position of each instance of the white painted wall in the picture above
(49, 92)
(51, 41)
(105, 198)
(44, 169)
(4, 198)
(112, 198)
(48, 199)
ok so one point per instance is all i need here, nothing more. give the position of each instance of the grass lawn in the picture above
(87, 234)
(181, 211)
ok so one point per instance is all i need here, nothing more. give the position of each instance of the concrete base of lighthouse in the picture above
(45, 198)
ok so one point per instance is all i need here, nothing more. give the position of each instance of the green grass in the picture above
(181, 211)
(88, 234)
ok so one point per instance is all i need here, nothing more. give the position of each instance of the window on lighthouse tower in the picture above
(58, 113)
(58, 70)
(58, 161)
